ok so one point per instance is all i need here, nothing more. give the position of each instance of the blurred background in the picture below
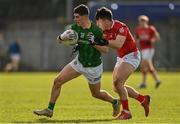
(36, 23)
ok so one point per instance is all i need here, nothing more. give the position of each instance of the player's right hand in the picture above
(67, 35)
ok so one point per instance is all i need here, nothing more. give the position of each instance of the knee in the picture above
(114, 89)
(144, 64)
(152, 71)
(96, 95)
(118, 84)
(58, 82)
(144, 70)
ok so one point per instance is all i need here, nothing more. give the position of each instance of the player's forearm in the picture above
(118, 42)
(157, 36)
(102, 49)
(115, 44)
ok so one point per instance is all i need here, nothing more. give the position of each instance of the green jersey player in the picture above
(88, 56)
(88, 62)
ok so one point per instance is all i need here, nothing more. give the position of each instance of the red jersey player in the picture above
(119, 37)
(146, 35)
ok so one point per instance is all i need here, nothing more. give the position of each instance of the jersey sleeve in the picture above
(122, 31)
(153, 30)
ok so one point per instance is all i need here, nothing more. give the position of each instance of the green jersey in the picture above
(88, 55)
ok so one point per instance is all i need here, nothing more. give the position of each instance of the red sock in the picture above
(140, 98)
(125, 105)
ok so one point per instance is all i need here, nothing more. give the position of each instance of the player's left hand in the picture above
(91, 39)
(96, 41)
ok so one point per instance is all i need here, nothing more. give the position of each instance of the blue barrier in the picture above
(156, 11)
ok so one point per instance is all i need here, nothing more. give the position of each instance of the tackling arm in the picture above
(102, 49)
(118, 42)
(98, 43)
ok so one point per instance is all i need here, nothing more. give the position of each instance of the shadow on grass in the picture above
(45, 120)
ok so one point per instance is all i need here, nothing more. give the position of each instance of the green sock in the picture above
(51, 106)
(115, 101)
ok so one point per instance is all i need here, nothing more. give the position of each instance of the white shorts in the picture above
(133, 58)
(15, 57)
(147, 54)
(92, 74)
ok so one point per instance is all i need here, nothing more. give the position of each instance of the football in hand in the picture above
(69, 37)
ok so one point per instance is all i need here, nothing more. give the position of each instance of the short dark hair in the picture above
(81, 10)
(104, 13)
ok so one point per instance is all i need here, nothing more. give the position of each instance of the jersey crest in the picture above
(121, 30)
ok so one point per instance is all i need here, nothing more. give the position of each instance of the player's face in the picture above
(101, 24)
(142, 23)
(78, 19)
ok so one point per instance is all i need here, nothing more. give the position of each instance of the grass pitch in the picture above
(21, 93)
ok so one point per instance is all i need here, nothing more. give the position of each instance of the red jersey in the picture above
(119, 28)
(145, 35)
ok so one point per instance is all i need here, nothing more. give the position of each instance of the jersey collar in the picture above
(89, 25)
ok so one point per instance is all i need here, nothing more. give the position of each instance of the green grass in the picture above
(21, 93)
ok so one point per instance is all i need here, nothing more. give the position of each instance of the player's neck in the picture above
(145, 26)
(86, 24)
